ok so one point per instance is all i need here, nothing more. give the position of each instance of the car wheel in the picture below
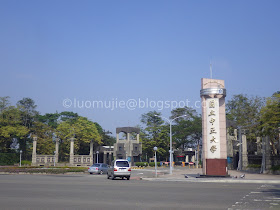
(101, 172)
(90, 172)
(128, 177)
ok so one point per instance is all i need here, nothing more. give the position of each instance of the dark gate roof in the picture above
(128, 130)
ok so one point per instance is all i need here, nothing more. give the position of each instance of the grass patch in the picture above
(49, 170)
(254, 166)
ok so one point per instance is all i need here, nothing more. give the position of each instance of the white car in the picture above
(119, 168)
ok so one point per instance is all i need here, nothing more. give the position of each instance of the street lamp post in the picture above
(196, 159)
(97, 152)
(20, 153)
(155, 149)
(170, 151)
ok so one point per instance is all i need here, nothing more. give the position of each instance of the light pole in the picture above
(54, 158)
(170, 151)
(20, 152)
(196, 158)
(97, 152)
(155, 149)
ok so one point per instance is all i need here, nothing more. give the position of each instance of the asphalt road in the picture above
(97, 192)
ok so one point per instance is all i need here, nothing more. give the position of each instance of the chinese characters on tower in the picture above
(213, 134)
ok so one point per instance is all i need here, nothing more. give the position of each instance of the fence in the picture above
(254, 159)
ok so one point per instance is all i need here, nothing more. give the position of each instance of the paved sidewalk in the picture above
(234, 176)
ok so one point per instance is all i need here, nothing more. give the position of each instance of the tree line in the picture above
(186, 132)
(253, 115)
(256, 116)
(20, 123)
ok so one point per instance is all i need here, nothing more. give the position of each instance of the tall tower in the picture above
(214, 148)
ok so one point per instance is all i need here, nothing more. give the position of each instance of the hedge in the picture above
(141, 164)
(152, 164)
(42, 170)
(26, 162)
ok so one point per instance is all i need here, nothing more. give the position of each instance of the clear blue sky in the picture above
(130, 49)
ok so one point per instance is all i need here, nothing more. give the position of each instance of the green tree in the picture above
(11, 128)
(68, 116)
(4, 103)
(83, 130)
(187, 131)
(45, 138)
(29, 114)
(270, 118)
(28, 111)
(107, 139)
(46, 129)
(152, 121)
(51, 119)
(154, 134)
(244, 110)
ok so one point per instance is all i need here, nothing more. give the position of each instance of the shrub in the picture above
(141, 164)
(275, 168)
(152, 164)
(26, 162)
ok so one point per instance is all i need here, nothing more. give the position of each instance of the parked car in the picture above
(119, 168)
(98, 168)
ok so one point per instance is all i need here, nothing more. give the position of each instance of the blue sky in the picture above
(120, 50)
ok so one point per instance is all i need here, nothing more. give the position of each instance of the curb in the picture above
(135, 167)
(248, 181)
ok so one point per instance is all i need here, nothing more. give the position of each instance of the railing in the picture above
(43, 159)
(82, 159)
